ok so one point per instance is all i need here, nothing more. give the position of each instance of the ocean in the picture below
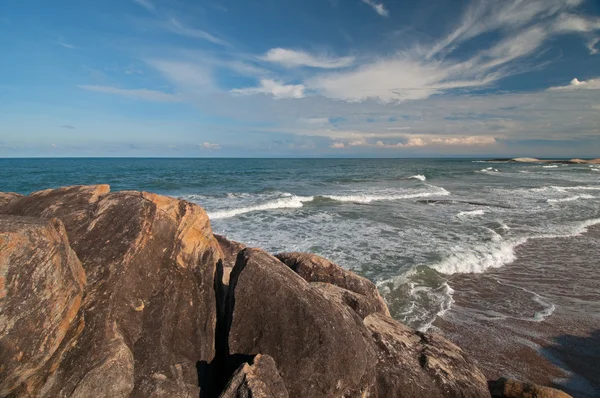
(412, 226)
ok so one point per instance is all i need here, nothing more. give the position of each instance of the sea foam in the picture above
(419, 177)
(291, 202)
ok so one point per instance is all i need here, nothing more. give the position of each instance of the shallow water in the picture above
(405, 224)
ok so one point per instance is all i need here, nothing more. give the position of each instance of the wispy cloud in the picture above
(592, 44)
(67, 45)
(147, 4)
(419, 141)
(276, 89)
(211, 146)
(177, 27)
(68, 126)
(292, 58)
(189, 77)
(143, 94)
(576, 84)
(378, 7)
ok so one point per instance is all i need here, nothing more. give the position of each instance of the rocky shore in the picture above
(130, 294)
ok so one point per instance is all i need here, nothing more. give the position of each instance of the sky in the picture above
(300, 78)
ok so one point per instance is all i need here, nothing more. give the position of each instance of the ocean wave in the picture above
(419, 177)
(479, 212)
(552, 166)
(366, 198)
(488, 170)
(570, 198)
(479, 258)
(291, 201)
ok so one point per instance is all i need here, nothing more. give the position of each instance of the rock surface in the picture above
(7, 197)
(259, 380)
(508, 388)
(230, 251)
(313, 268)
(41, 287)
(414, 364)
(149, 306)
(320, 346)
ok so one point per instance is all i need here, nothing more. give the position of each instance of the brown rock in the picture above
(320, 346)
(149, 306)
(7, 197)
(259, 380)
(230, 251)
(41, 287)
(313, 268)
(414, 364)
(508, 388)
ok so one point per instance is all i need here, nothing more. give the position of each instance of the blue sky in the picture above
(386, 78)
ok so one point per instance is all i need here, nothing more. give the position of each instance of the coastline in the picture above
(557, 344)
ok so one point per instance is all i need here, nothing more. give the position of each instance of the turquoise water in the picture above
(404, 223)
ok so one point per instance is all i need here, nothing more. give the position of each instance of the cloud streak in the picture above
(276, 89)
(142, 94)
(176, 26)
(147, 4)
(292, 58)
(378, 7)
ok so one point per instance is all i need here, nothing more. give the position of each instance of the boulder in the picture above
(321, 347)
(41, 288)
(149, 305)
(313, 268)
(257, 380)
(414, 364)
(509, 388)
(7, 197)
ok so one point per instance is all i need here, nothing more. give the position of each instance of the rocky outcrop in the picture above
(313, 268)
(415, 364)
(149, 305)
(7, 197)
(320, 347)
(41, 287)
(123, 294)
(259, 380)
(509, 388)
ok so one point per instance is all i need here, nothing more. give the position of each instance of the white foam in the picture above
(365, 198)
(570, 198)
(552, 166)
(479, 212)
(479, 258)
(445, 305)
(489, 170)
(287, 202)
(419, 177)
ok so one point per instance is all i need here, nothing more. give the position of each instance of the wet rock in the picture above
(313, 268)
(509, 388)
(149, 305)
(259, 380)
(41, 287)
(320, 346)
(414, 364)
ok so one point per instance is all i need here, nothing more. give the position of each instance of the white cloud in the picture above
(315, 120)
(276, 89)
(143, 94)
(378, 7)
(147, 4)
(419, 141)
(575, 84)
(188, 76)
(208, 145)
(292, 58)
(591, 45)
(177, 27)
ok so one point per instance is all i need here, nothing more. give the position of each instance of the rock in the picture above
(259, 380)
(230, 251)
(41, 287)
(150, 301)
(313, 268)
(7, 197)
(357, 302)
(414, 364)
(320, 346)
(508, 388)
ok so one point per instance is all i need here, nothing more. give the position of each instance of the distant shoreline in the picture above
(535, 160)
